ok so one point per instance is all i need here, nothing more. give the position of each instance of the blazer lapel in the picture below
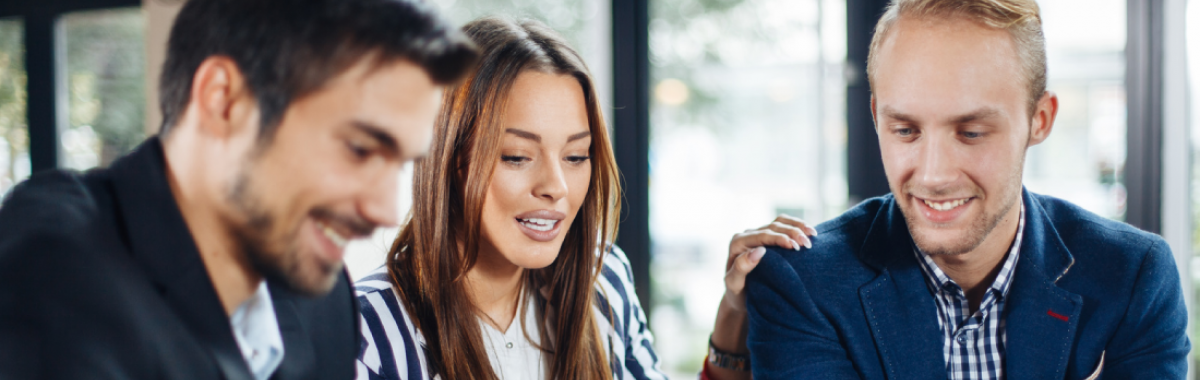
(1041, 318)
(161, 242)
(898, 304)
(298, 356)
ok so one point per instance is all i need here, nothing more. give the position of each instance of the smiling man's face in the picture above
(330, 173)
(952, 114)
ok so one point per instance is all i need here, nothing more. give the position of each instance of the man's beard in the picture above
(277, 259)
(977, 231)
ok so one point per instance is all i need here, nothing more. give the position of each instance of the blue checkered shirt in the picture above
(973, 344)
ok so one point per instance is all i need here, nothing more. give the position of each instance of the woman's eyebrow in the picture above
(579, 135)
(524, 134)
(533, 136)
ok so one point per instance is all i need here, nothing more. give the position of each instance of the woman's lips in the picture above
(540, 225)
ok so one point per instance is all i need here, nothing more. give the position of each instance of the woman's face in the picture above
(543, 172)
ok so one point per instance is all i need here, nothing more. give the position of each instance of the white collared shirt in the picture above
(257, 333)
(395, 348)
(511, 355)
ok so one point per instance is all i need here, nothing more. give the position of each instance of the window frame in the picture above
(631, 135)
(44, 69)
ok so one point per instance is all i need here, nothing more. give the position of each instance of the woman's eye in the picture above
(578, 159)
(514, 159)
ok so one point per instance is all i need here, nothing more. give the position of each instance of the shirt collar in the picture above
(256, 330)
(937, 280)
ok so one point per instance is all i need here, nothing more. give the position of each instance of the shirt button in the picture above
(962, 339)
(509, 345)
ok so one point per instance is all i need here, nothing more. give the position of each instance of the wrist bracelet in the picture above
(726, 360)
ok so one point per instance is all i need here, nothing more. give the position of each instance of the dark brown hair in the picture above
(440, 243)
(287, 49)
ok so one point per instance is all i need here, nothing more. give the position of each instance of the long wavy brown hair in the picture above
(439, 244)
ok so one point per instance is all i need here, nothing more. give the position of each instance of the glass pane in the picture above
(105, 65)
(585, 25)
(1083, 161)
(1193, 59)
(747, 121)
(14, 131)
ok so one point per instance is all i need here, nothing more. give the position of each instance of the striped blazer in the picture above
(393, 349)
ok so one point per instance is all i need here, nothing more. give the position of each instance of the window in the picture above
(584, 23)
(14, 132)
(1084, 158)
(105, 65)
(1193, 62)
(747, 121)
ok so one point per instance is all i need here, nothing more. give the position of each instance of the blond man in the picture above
(960, 273)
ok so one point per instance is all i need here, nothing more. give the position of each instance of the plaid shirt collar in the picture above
(938, 280)
(973, 343)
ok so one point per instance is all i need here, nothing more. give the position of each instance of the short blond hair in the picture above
(1020, 18)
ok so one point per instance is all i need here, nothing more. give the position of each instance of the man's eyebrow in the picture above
(893, 114)
(524, 134)
(579, 135)
(379, 135)
(977, 115)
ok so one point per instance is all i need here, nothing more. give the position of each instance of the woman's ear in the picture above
(460, 170)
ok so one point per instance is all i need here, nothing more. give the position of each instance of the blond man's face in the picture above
(951, 113)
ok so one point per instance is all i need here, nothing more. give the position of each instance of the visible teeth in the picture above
(333, 236)
(944, 206)
(539, 224)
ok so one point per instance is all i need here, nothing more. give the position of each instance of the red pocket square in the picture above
(1057, 315)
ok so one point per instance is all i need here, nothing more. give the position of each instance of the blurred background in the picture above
(724, 114)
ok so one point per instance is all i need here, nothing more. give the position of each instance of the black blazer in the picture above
(100, 279)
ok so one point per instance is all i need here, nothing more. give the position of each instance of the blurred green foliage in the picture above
(105, 70)
(13, 130)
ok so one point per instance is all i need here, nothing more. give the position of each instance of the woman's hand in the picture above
(745, 250)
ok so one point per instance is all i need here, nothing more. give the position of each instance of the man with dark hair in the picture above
(214, 250)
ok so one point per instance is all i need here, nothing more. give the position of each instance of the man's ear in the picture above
(219, 97)
(1043, 118)
(874, 118)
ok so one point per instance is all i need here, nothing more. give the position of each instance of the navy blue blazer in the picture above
(856, 304)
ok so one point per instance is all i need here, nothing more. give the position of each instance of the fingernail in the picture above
(807, 243)
(757, 254)
(795, 245)
(814, 230)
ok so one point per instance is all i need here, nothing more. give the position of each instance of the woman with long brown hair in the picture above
(506, 268)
